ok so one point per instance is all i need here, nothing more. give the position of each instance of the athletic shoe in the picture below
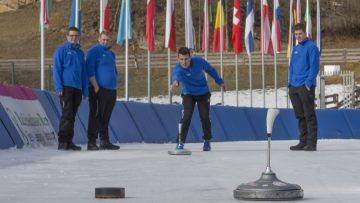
(180, 146)
(207, 146)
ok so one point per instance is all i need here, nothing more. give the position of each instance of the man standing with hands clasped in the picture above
(304, 67)
(189, 72)
(102, 73)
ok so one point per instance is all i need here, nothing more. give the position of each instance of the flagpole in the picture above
(221, 52)
(169, 76)
(236, 80)
(250, 82)
(186, 30)
(77, 14)
(101, 17)
(42, 43)
(126, 50)
(149, 78)
(275, 52)
(262, 53)
(206, 23)
(290, 50)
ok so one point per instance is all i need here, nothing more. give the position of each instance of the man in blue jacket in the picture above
(70, 81)
(189, 72)
(102, 73)
(304, 67)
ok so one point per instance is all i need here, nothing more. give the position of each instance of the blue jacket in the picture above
(304, 64)
(100, 62)
(69, 68)
(192, 79)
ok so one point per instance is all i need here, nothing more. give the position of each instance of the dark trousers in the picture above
(303, 102)
(101, 106)
(203, 103)
(69, 101)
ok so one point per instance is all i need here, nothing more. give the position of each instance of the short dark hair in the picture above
(73, 29)
(300, 26)
(184, 51)
(106, 33)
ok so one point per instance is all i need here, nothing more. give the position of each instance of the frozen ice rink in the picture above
(149, 174)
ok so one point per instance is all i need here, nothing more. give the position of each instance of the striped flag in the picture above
(105, 16)
(297, 15)
(170, 35)
(236, 28)
(189, 34)
(206, 27)
(276, 27)
(249, 27)
(150, 29)
(75, 20)
(47, 11)
(218, 23)
(122, 24)
(266, 46)
(308, 19)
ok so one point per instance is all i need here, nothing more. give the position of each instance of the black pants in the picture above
(203, 103)
(69, 101)
(303, 102)
(101, 106)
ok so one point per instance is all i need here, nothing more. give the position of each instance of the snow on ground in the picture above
(244, 97)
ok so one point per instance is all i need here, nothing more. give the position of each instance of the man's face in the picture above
(73, 37)
(184, 60)
(105, 40)
(300, 35)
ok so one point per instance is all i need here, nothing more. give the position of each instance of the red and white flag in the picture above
(150, 31)
(276, 27)
(267, 46)
(170, 35)
(189, 34)
(236, 28)
(105, 16)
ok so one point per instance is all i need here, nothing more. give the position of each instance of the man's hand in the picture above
(174, 86)
(223, 87)
(96, 89)
(60, 94)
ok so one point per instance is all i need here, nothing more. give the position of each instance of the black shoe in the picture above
(107, 145)
(92, 147)
(63, 146)
(310, 148)
(298, 147)
(72, 146)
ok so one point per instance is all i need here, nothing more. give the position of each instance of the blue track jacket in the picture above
(304, 64)
(100, 62)
(69, 68)
(192, 79)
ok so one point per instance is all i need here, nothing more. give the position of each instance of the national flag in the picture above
(76, 4)
(189, 35)
(236, 28)
(298, 11)
(150, 28)
(308, 19)
(170, 35)
(206, 27)
(47, 11)
(318, 26)
(266, 47)
(122, 23)
(249, 27)
(276, 27)
(219, 22)
(105, 15)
